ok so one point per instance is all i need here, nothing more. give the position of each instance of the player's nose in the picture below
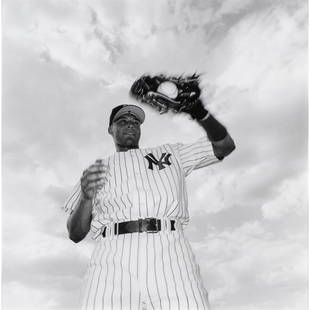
(131, 124)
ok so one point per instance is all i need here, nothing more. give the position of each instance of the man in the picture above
(135, 204)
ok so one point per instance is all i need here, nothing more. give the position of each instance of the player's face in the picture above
(126, 131)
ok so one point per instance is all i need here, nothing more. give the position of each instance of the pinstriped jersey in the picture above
(148, 182)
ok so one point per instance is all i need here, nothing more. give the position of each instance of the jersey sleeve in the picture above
(196, 155)
(73, 199)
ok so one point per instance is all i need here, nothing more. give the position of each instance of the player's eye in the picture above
(122, 122)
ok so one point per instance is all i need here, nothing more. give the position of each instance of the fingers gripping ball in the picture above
(93, 179)
(177, 94)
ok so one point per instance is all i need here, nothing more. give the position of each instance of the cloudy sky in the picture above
(66, 63)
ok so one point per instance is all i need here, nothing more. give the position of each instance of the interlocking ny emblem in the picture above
(164, 160)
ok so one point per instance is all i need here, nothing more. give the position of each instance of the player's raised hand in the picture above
(93, 179)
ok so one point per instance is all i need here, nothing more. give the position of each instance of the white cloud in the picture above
(290, 199)
(248, 266)
(16, 294)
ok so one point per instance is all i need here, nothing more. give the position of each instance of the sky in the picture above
(67, 63)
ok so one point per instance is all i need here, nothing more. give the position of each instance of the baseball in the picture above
(169, 89)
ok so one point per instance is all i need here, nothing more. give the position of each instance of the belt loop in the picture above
(157, 221)
(177, 224)
(164, 225)
(140, 223)
(108, 231)
(112, 231)
(168, 227)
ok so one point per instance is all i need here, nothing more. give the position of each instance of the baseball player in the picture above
(135, 204)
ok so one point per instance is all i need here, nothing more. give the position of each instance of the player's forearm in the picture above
(214, 129)
(222, 142)
(79, 221)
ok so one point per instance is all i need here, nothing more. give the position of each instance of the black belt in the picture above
(151, 225)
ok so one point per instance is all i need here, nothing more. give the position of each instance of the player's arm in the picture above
(92, 180)
(181, 94)
(78, 223)
(222, 142)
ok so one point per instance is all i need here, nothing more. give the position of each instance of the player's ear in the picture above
(110, 130)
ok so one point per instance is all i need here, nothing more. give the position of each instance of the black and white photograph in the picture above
(154, 155)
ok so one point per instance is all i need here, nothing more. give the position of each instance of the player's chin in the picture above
(131, 142)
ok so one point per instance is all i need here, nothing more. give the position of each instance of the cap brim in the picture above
(131, 109)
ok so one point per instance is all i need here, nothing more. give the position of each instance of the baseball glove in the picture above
(176, 94)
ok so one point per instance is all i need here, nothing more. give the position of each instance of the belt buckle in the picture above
(149, 219)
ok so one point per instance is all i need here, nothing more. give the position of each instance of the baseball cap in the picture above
(122, 109)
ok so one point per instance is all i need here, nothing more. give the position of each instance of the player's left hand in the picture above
(176, 94)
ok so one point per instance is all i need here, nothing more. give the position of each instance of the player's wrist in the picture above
(199, 112)
(215, 130)
(85, 197)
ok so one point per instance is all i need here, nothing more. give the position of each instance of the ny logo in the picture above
(164, 160)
